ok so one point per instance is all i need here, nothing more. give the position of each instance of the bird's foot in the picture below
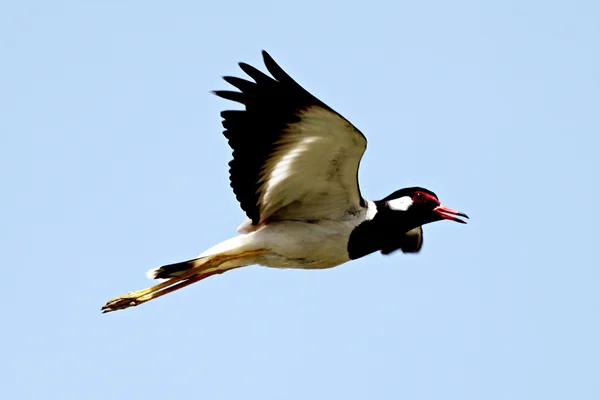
(120, 303)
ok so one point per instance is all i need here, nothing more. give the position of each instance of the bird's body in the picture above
(295, 173)
(293, 244)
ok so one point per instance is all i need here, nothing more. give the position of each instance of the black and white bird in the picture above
(295, 173)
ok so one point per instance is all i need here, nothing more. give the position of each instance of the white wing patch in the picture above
(275, 192)
(312, 174)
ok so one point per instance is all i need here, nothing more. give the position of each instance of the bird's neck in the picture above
(382, 231)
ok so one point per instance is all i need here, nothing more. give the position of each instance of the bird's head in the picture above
(419, 206)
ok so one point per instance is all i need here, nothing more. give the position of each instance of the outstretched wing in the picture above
(293, 156)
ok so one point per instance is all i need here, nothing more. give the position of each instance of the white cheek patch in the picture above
(400, 204)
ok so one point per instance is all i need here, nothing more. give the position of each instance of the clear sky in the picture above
(113, 162)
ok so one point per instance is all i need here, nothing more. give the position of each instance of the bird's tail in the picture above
(172, 270)
(209, 260)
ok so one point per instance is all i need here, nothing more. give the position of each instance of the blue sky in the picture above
(113, 162)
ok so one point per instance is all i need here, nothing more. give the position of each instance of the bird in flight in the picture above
(295, 173)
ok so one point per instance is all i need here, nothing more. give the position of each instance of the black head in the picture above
(417, 206)
(396, 222)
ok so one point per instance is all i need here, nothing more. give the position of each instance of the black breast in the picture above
(386, 232)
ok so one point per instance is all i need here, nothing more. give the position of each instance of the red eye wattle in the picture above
(419, 197)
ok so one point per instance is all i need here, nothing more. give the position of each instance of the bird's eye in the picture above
(419, 197)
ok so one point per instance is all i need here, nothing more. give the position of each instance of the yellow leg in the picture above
(180, 285)
(195, 274)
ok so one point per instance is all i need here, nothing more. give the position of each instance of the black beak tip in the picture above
(460, 214)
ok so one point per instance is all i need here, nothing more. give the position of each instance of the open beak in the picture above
(449, 213)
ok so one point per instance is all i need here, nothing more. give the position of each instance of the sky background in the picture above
(112, 162)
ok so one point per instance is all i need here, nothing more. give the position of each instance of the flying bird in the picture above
(295, 174)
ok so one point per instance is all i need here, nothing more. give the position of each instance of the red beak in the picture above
(450, 213)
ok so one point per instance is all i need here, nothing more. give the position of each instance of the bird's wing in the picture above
(293, 156)
(410, 242)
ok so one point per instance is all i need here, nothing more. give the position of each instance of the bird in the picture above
(294, 173)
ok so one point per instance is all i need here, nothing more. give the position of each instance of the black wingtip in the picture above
(229, 95)
(267, 58)
(257, 75)
(276, 71)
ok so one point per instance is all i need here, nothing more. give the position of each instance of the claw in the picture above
(120, 303)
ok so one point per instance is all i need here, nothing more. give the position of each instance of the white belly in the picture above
(306, 245)
(292, 244)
